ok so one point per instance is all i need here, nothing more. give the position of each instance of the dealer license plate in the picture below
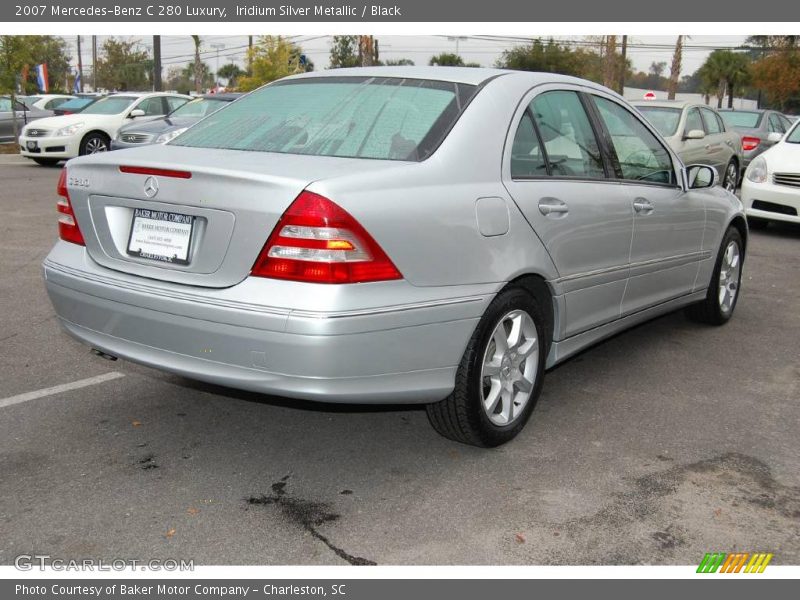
(162, 236)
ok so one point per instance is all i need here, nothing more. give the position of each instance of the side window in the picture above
(641, 155)
(787, 124)
(173, 102)
(775, 124)
(55, 103)
(720, 122)
(151, 107)
(569, 141)
(693, 121)
(5, 105)
(527, 159)
(710, 119)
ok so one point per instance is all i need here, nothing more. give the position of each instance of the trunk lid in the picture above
(234, 199)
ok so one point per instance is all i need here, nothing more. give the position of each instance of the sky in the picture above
(483, 49)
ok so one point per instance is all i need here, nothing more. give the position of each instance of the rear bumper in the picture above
(403, 352)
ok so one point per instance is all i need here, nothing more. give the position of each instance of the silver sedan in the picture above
(380, 235)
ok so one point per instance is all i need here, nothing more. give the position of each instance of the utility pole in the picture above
(217, 47)
(80, 66)
(94, 63)
(623, 66)
(156, 63)
(456, 39)
(249, 54)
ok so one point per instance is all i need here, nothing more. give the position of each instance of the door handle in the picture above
(553, 206)
(642, 205)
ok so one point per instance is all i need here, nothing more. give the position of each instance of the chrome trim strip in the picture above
(286, 312)
(679, 259)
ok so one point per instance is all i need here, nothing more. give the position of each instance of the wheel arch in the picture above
(740, 224)
(102, 132)
(540, 289)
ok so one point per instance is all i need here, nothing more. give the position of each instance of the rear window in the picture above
(354, 117)
(741, 118)
(665, 120)
(794, 135)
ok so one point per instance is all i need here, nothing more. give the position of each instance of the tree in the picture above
(777, 70)
(446, 59)
(344, 52)
(368, 51)
(52, 50)
(181, 79)
(727, 70)
(610, 70)
(14, 55)
(551, 57)
(198, 72)
(123, 65)
(273, 57)
(231, 73)
(399, 62)
(675, 70)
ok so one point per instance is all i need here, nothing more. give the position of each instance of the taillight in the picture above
(319, 242)
(68, 229)
(750, 143)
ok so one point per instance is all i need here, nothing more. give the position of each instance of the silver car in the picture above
(760, 130)
(698, 135)
(393, 234)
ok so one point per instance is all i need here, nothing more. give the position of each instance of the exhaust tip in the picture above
(102, 354)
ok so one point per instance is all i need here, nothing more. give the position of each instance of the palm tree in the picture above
(737, 73)
(675, 70)
(198, 65)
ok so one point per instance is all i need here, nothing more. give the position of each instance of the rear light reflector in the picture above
(750, 143)
(68, 229)
(317, 241)
(159, 172)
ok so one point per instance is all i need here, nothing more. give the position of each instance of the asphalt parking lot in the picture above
(654, 447)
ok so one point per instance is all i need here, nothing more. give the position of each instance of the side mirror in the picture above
(136, 112)
(774, 137)
(701, 176)
(694, 134)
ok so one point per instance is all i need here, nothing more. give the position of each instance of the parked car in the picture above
(163, 130)
(771, 186)
(429, 235)
(21, 114)
(45, 101)
(698, 135)
(760, 129)
(75, 105)
(92, 130)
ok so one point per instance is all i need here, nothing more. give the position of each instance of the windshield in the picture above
(794, 135)
(357, 117)
(28, 101)
(665, 120)
(75, 103)
(199, 107)
(111, 105)
(741, 118)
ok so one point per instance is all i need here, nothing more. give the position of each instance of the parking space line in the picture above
(66, 387)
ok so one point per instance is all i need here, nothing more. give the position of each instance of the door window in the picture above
(527, 158)
(775, 124)
(174, 102)
(641, 157)
(570, 145)
(5, 105)
(693, 121)
(711, 121)
(152, 107)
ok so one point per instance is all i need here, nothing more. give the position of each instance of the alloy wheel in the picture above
(508, 372)
(731, 177)
(729, 273)
(95, 145)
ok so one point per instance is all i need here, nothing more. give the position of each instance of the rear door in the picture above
(694, 151)
(557, 175)
(668, 223)
(718, 146)
(6, 123)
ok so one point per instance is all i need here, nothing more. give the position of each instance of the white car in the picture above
(50, 140)
(46, 101)
(771, 186)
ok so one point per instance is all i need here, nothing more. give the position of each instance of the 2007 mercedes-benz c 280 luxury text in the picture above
(383, 235)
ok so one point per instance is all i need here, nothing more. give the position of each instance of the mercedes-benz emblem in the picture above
(150, 187)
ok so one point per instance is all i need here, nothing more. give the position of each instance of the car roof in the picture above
(748, 110)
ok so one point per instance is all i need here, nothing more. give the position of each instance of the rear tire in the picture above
(94, 143)
(500, 374)
(725, 287)
(46, 162)
(730, 180)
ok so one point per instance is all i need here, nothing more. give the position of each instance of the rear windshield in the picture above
(355, 117)
(741, 118)
(199, 107)
(665, 120)
(112, 105)
(76, 103)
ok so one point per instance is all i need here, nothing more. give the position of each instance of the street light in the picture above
(456, 39)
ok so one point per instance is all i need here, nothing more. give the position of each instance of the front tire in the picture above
(94, 143)
(500, 375)
(725, 287)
